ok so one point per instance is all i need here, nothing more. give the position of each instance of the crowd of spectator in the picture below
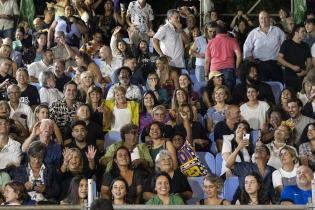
(74, 77)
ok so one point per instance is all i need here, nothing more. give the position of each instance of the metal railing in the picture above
(163, 207)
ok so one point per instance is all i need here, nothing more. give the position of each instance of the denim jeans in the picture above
(229, 77)
(200, 73)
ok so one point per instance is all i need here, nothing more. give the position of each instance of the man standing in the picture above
(9, 11)
(141, 16)
(220, 56)
(295, 57)
(168, 40)
(263, 44)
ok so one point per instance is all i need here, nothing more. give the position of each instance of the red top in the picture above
(221, 52)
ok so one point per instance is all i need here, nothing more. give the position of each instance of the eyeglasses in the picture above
(13, 93)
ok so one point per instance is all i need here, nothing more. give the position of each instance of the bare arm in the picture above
(238, 58)
(172, 150)
(156, 45)
(51, 32)
(207, 67)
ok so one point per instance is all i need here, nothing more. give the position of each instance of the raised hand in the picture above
(91, 153)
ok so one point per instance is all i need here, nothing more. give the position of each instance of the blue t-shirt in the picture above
(296, 195)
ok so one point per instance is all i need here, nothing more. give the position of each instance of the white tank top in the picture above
(121, 118)
(201, 42)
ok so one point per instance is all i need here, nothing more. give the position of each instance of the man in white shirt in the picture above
(168, 40)
(45, 64)
(9, 11)
(10, 150)
(263, 44)
(139, 18)
(107, 63)
(19, 111)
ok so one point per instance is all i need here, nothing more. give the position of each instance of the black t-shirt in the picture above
(132, 189)
(295, 53)
(239, 94)
(95, 132)
(221, 129)
(179, 183)
(30, 96)
(61, 81)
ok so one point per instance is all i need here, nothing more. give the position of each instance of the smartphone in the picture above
(246, 136)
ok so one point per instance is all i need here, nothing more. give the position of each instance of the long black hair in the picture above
(234, 144)
(262, 195)
(73, 192)
(115, 172)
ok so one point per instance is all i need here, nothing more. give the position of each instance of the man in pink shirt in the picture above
(220, 56)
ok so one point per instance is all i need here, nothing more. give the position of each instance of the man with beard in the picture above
(133, 92)
(249, 76)
(79, 140)
(300, 193)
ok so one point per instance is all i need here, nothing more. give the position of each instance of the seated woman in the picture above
(119, 111)
(253, 192)
(215, 80)
(119, 191)
(148, 102)
(94, 100)
(122, 167)
(168, 78)
(308, 109)
(185, 82)
(72, 166)
(15, 194)
(282, 137)
(179, 184)
(287, 94)
(153, 85)
(161, 184)
(159, 114)
(199, 134)
(236, 148)
(140, 155)
(40, 180)
(286, 175)
(48, 93)
(42, 112)
(254, 111)
(212, 186)
(78, 191)
(216, 113)
(307, 147)
(86, 81)
(156, 142)
(274, 117)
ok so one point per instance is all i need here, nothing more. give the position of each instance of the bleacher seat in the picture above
(110, 138)
(230, 187)
(255, 136)
(218, 164)
(196, 184)
(208, 160)
(197, 85)
(276, 88)
(213, 148)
